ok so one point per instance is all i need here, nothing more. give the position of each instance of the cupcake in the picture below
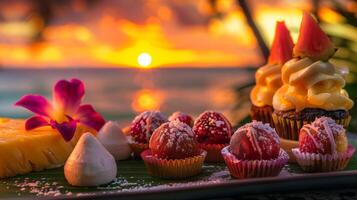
(182, 117)
(268, 77)
(323, 146)
(254, 151)
(141, 129)
(212, 131)
(312, 86)
(173, 152)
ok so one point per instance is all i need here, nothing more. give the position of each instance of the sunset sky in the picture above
(139, 33)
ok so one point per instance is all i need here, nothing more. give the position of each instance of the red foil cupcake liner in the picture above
(213, 152)
(254, 168)
(263, 114)
(313, 162)
(173, 168)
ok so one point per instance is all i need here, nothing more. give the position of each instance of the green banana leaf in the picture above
(132, 177)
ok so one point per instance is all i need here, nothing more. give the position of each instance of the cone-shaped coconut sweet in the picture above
(114, 140)
(90, 164)
(268, 77)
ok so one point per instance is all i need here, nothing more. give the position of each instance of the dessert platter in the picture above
(297, 139)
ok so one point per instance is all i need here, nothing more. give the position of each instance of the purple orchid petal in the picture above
(66, 129)
(89, 117)
(36, 104)
(68, 95)
(35, 122)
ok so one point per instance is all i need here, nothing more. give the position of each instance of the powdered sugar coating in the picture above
(182, 117)
(174, 140)
(145, 124)
(212, 128)
(255, 141)
(323, 136)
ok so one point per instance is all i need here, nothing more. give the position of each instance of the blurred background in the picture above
(188, 55)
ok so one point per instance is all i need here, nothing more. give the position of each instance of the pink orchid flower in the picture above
(65, 112)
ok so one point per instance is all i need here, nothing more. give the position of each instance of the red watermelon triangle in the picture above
(282, 48)
(312, 41)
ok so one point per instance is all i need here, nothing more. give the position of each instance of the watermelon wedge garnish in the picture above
(312, 41)
(282, 48)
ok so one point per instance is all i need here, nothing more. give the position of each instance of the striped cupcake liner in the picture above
(213, 152)
(254, 168)
(313, 162)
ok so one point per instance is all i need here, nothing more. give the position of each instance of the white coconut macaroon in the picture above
(114, 140)
(90, 164)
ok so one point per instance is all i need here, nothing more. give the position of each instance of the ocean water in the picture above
(118, 94)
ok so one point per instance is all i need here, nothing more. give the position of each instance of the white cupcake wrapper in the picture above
(313, 162)
(254, 168)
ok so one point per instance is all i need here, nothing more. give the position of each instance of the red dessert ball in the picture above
(145, 124)
(323, 136)
(212, 128)
(174, 140)
(255, 141)
(182, 117)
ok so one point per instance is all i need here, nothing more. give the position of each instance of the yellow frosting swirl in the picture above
(268, 80)
(311, 84)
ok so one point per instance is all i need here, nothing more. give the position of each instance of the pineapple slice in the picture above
(24, 151)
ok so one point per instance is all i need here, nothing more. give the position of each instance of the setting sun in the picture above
(144, 60)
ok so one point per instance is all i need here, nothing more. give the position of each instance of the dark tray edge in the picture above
(342, 179)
